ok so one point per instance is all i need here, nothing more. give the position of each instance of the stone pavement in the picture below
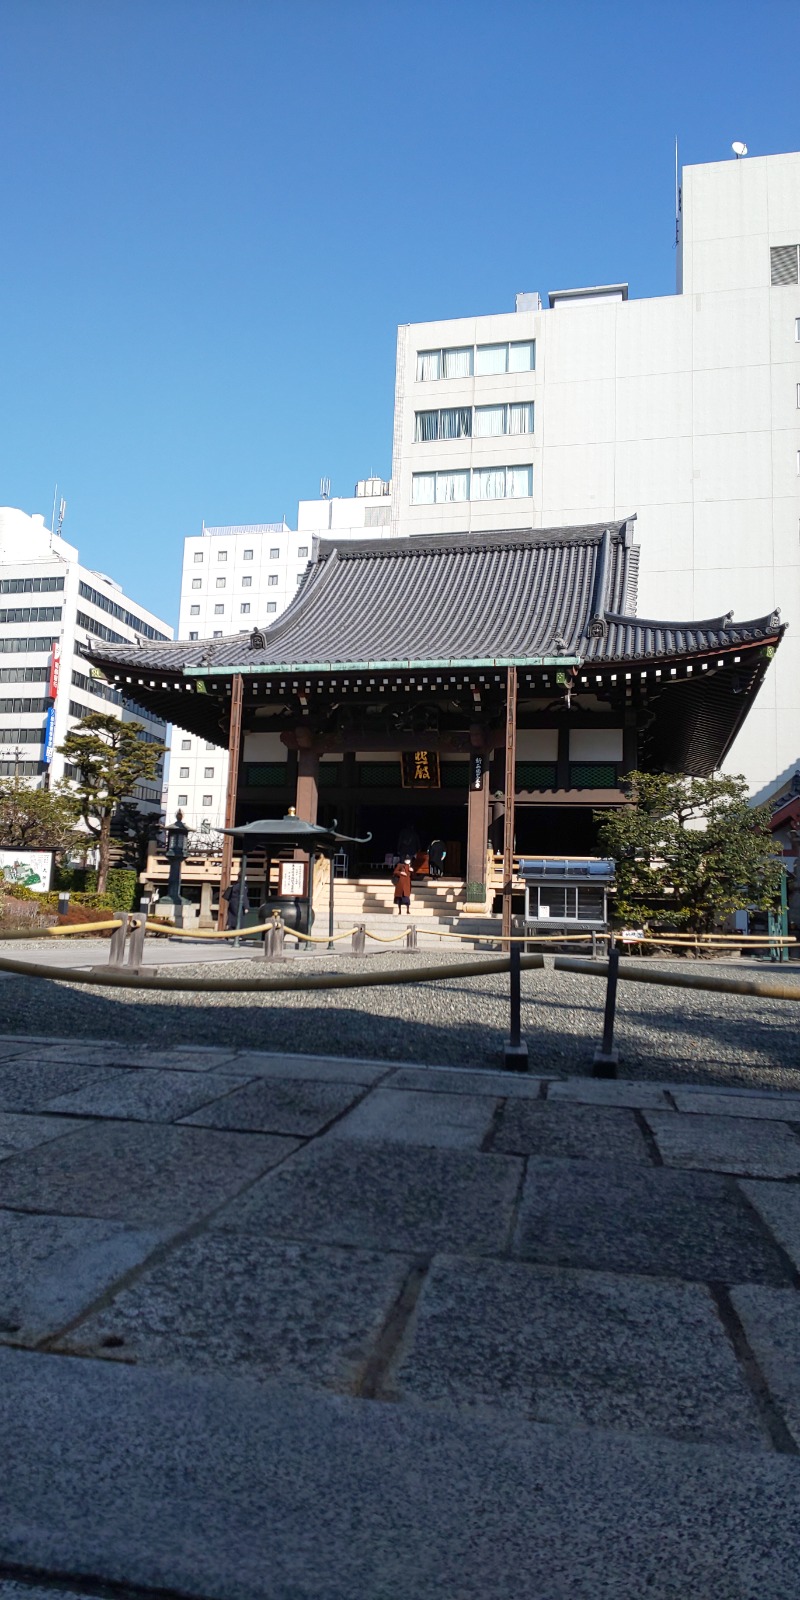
(290, 1328)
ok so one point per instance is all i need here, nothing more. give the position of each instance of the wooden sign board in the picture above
(420, 769)
(293, 878)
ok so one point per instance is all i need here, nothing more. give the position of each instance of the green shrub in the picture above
(122, 887)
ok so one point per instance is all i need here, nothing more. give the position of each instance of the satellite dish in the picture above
(739, 149)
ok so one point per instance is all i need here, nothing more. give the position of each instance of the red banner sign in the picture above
(55, 672)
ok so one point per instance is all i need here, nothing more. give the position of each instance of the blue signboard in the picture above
(49, 735)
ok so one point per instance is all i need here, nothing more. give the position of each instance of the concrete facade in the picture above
(684, 409)
(48, 600)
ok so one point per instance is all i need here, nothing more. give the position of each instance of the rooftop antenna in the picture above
(61, 510)
(324, 488)
(739, 149)
(53, 516)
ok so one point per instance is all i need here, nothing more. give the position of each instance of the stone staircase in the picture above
(362, 899)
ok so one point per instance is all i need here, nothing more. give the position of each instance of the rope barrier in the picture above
(118, 978)
(680, 980)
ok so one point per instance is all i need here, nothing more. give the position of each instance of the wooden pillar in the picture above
(478, 825)
(630, 743)
(511, 777)
(234, 745)
(562, 770)
(307, 798)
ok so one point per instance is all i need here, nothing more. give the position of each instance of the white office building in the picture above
(683, 409)
(238, 578)
(49, 604)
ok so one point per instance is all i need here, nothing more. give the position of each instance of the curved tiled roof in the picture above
(520, 595)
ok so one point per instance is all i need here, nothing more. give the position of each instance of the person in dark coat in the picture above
(401, 878)
(436, 857)
(232, 896)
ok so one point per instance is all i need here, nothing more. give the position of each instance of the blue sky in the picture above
(214, 215)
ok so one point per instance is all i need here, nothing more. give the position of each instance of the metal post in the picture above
(606, 1057)
(511, 778)
(63, 902)
(360, 939)
(330, 903)
(116, 948)
(411, 937)
(515, 1050)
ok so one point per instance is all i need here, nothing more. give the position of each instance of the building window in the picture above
(247, 555)
(502, 483)
(271, 605)
(197, 583)
(186, 744)
(219, 611)
(184, 772)
(194, 611)
(208, 772)
(183, 800)
(454, 423)
(217, 634)
(198, 556)
(192, 636)
(210, 746)
(453, 363)
(519, 356)
(208, 799)
(512, 419)
(797, 329)
(244, 607)
(247, 583)
(302, 550)
(798, 396)
(222, 555)
(272, 580)
(274, 555)
(439, 488)
(221, 583)
(784, 264)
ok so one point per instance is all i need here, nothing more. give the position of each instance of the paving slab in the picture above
(577, 1349)
(779, 1206)
(211, 1487)
(724, 1103)
(622, 1217)
(326, 1069)
(726, 1144)
(142, 1173)
(384, 1197)
(536, 1128)
(51, 1268)
(516, 1085)
(18, 1131)
(28, 1085)
(609, 1092)
(771, 1321)
(146, 1096)
(262, 1308)
(91, 1052)
(279, 1105)
(410, 1116)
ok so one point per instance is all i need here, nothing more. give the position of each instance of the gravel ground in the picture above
(662, 1033)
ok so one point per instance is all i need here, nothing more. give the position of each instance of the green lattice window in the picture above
(378, 774)
(329, 774)
(535, 775)
(593, 775)
(265, 774)
(455, 774)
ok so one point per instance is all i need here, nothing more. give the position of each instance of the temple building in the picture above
(379, 698)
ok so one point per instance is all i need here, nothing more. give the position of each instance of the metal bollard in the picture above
(116, 949)
(360, 939)
(411, 938)
(606, 1057)
(63, 902)
(136, 934)
(515, 1050)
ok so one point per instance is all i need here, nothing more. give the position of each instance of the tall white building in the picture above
(49, 604)
(241, 577)
(683, 409)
